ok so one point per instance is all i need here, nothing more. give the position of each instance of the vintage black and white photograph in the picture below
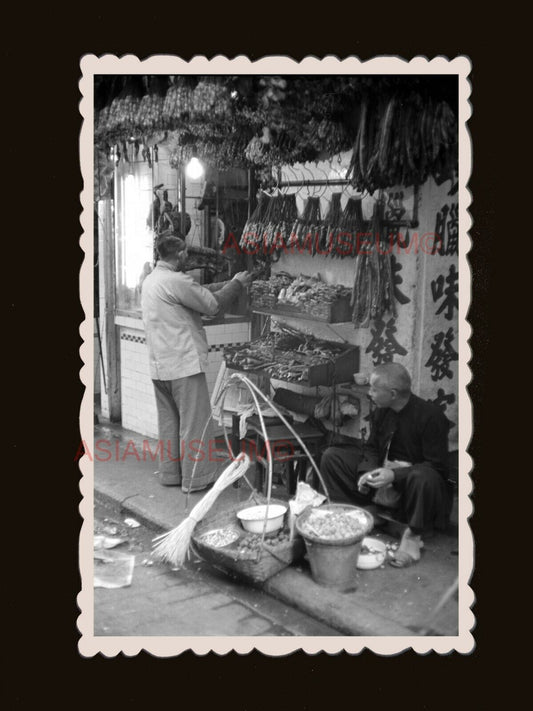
(275, 421)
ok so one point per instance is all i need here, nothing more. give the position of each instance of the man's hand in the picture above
(377, 478)
(243, 277)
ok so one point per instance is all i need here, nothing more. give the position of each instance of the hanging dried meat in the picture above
(402, 129)
(327, 135)
(204, 258)
(155, 209)
(346, 236)
(151, 105)
(121, 118)
(253, 229)
(373, 290)
(171, 220)
(279, 232)
(177, 105)
(403, 141)
(268, 228)
(272, 218)
(211, 99)
(307, 228)
(330, 223)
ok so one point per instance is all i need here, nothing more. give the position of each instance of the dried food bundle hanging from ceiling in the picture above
(177, 105)
(403, 141)
(346, 236)
(287, 214)
(150, 108)
(331, 222)
(253, 228)
(307, 227)
(120, 120)
(211, 99)
(373, 290)
(277, 221)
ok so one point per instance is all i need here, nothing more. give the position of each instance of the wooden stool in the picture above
(286, 448)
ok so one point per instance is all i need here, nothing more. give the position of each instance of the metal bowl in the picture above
(253, 518)
(376, 555)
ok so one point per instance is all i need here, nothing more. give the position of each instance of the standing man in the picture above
(404, 464)
(172, 305)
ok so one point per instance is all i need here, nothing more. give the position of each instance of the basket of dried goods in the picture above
(248, 539)
(268, 547)
(245, 554)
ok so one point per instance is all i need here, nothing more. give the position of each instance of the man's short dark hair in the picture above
(395, 376)
(169, 247)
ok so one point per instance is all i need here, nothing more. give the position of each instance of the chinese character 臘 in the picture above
(442, 354)
(438, 291)
(452, 244)
(447, 231)
(383, 345)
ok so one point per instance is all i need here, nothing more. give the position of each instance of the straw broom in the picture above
(173, 545)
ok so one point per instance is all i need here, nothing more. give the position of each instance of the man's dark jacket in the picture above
(417, 434)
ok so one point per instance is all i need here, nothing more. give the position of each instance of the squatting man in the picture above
(404, 464)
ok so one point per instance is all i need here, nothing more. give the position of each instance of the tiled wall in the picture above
(138, 401)
(219, 336)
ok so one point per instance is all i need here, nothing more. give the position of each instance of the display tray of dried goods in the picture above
(338, 311)
(296, 357)
(301, 297)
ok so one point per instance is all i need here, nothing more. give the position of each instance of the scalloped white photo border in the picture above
(89, 644)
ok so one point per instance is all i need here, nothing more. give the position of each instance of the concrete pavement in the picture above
(194, 601)
(387, 602)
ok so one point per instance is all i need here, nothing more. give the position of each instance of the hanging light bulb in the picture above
(194, 169)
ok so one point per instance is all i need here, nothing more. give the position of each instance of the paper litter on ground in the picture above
(131, 522)
(107, 542)
(112, 569)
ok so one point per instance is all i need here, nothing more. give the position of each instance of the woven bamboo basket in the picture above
(268, 561)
